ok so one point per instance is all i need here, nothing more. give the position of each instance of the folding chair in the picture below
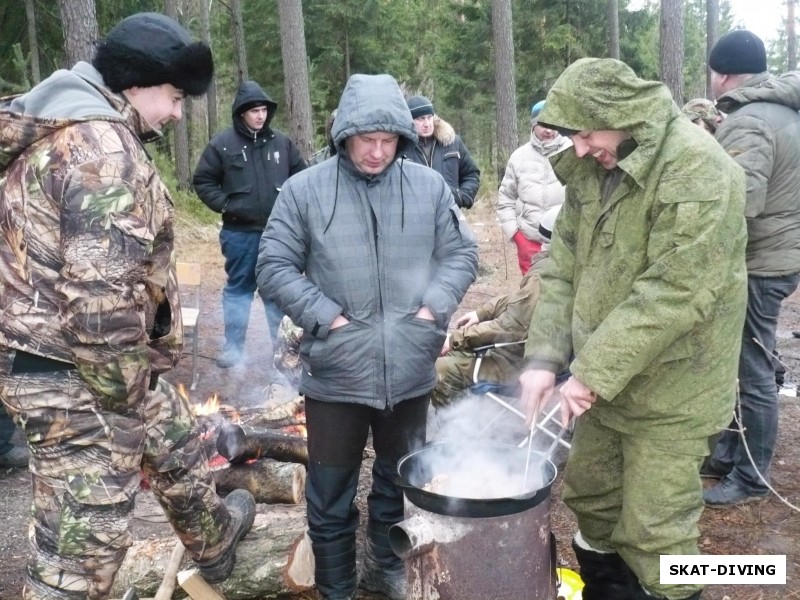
(504, 395)
(189, 278)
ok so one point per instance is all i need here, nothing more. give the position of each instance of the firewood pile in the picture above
(265, 452)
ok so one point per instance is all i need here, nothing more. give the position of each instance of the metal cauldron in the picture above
(475, 548)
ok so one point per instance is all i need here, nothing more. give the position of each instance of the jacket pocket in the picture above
(346, 354)
(420, 342)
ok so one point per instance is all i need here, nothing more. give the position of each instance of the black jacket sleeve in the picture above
(208, 178)
(469, 177)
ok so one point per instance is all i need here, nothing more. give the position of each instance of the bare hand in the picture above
(339, 321)
(445, 347)
(537, 389)
(425, 313)
(576, 399)
(471, 318)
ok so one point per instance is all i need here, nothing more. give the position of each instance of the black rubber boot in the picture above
(605, 575)
(640, 594)
(384, 572)
(242, 507)
(335, 569)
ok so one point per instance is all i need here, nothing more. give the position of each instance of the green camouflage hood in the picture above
(605, 94)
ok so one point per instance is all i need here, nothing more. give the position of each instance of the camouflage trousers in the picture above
(454, 372)
(86, 465)
(636, 496)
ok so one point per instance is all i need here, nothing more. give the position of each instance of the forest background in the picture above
(482, 62)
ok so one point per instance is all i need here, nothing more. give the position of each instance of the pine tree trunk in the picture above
(712, 26)
(79, 22)
(506, 90)
(238, 41)
(211, 94)
(295, 73)
(181, 136)
(672, 47)
(33, 42)
(613, 29)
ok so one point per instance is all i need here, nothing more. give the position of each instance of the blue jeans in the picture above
(240, 249)
(757, 390)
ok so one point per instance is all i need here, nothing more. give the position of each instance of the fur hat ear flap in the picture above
(149, 49)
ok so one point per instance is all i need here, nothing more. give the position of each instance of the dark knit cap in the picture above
(738, 51)
(150, 49)
(419, 106)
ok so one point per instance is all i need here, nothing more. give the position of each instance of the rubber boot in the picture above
(242, 507)
(384, 572)
(335, 569)
(639, 593)
(605, 575)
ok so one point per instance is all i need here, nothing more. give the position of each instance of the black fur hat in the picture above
(149, 49)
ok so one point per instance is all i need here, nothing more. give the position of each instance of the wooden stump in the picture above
(273, 560)
(270, 481)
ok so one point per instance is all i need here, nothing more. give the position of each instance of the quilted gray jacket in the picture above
(762, 134)
(375, 248)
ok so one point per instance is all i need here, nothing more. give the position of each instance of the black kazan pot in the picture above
(496, 547)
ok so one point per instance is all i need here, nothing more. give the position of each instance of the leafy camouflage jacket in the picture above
(86, 254)
(646, 281)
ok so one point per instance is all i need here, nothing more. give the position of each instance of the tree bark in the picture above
(506, 94)
(712, 27)
(79, 22)
(613, 29)
(295, 74)
(273, 560)
(174, 8)
(211, 94)
(240, 444)
(672, 48)
(270, 481)
(33, 42)
(237, 26)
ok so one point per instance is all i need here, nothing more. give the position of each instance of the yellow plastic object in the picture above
(571, 585)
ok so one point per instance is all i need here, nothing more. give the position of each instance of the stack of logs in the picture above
(265, 453)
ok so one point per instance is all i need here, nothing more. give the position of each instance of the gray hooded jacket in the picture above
(762, 134)
(375, 248)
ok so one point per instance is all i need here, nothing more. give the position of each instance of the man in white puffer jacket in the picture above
(529, 188)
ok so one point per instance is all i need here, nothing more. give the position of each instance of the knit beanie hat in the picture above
(419, 106)
(535, 110)
(150, 49)
(738, 51)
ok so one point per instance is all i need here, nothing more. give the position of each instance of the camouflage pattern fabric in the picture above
(87, 277)
(704, 110)
(86, 253)
(286, 356)
(454, 372)
(503, 318)
(615, 518)
(646, 282)
(86, 465)
(647, 285)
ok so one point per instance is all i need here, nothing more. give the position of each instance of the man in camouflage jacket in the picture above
(646, 285)
(91, 314)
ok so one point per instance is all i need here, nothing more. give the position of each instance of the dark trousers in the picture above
(757, 389)
(6, 431)
(240, 249)
(337, 435)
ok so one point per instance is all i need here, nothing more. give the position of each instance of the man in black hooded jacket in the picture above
(239, 175)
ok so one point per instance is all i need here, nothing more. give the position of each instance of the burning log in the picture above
(239, 444)
(274, 560)
(287, 410)
(270, 481)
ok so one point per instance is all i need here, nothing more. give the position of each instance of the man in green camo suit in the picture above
(647, 286)
(91, 314)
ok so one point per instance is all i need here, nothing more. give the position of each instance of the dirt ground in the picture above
(769, 527)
